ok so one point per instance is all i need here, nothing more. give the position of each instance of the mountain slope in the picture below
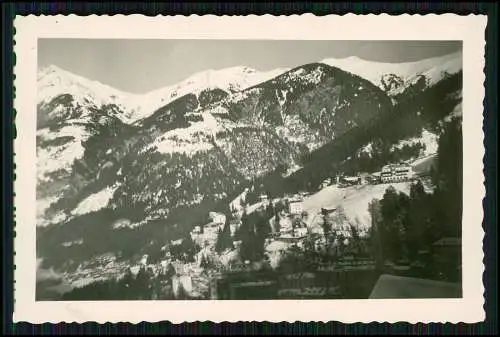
(128, 186)
(62, 95)
(228, 80)
(396, 77)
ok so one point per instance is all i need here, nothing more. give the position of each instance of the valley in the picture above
(122, 176)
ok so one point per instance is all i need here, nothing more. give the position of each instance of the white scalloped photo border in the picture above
(469, 29)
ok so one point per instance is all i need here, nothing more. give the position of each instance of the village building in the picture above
(263, 198)
(396, 173)
(300, 232)
(373, 178)
(217, 217)
(295, 207)
(349, 181)
(327, 182)
(212, 229)
(208, 233)
(234, 225)
(237, 244)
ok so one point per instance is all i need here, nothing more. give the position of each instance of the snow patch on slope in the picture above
(61, 157)
(96, 201)
(427, 138)
(197, 137)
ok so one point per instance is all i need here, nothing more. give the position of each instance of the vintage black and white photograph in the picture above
(229, 170)
(205, 169)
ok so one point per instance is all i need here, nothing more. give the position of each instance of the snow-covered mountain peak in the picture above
(432, 68)
(54, 81)
(231, 80)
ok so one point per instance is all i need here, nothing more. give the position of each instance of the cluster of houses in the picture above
(207, 234)
(390, 173)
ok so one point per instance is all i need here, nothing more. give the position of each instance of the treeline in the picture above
(406, 226)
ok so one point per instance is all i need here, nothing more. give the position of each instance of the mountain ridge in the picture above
(134, 186)
(236, 79)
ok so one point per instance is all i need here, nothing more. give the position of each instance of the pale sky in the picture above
(139, 66)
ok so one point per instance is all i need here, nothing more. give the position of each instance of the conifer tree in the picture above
(224, 240)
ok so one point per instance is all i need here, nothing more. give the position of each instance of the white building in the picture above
(295, 207)
(217, 217)
(351, 180)
(233, 227)
(396, 173)
(300, 232)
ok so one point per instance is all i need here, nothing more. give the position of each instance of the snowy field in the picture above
(353, 199)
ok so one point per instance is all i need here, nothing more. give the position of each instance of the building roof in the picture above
(391, 286)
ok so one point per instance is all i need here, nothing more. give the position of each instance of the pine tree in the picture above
(224, 240)
(375, 231)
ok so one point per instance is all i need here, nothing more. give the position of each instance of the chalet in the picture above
(325, 183)
(349, 181)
